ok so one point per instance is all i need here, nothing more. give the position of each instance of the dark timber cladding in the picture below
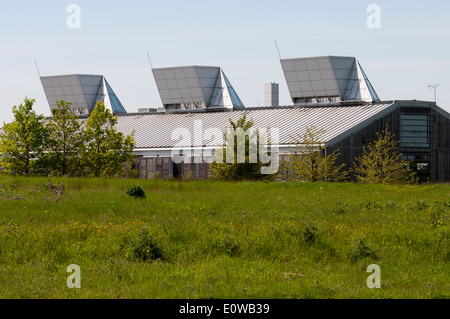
(163, 167)
(442, 148)
(422, 130)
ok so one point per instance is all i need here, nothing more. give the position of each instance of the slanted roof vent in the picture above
(327, 79)
(195, 87)
(82, 90)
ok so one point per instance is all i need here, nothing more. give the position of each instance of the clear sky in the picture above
(410, 50)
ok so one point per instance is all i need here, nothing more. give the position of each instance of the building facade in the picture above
(422, 129)
(329, 93)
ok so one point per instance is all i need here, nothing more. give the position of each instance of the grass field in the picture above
(222, 240)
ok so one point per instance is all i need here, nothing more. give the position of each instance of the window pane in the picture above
(414, 122)
(414, 117)
(406, 128)
(414, 134)
(415, 130)
(423, 166)
(414, 145)
(414, 140)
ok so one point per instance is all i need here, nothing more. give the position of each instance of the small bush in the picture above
(155, 175)
(144, 247)
(136, 192)
(56, 189)
(361, 251)
(309, 235)
(342, 208)
(229, 246)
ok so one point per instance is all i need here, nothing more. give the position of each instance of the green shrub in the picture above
(342, 208)
(309, 235)
(229, 246)
(144, 247)
(136, 192)
(361, 250)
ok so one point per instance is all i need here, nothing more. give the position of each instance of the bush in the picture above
(56, 189)
(361, 251)
(144, 247)
(136, 192)
(309, 235)
(381, 162)
(243, 167)
(229, 246)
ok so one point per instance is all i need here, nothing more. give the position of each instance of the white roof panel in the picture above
(155, 130)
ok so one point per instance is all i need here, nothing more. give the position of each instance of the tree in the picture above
(245, 162)
(64, 140)
(105, 151)
(22, 141)
(308, 161)
(381, 161)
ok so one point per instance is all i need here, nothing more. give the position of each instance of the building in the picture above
(330, 93)
(423, 129)
(271, 94)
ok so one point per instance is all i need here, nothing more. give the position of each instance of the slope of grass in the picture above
(222, 240)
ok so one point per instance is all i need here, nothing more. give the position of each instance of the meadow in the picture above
(210, 239)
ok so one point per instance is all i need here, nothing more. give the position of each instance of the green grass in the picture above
(222, 240)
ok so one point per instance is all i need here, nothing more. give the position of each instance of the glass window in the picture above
(415, 117)
(234, 97)
(414, 128)
(423, 167)
(415, 131)
(415, 134)
(415, 144)
(420, 164)
(420, 140)
(412, 122)
(115, 103)
(373, 94)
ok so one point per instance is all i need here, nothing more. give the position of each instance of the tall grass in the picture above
(222, 240)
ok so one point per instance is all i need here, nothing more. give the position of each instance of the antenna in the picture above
(434, 86)
(276, 44)
(37, 68)
(148, 55)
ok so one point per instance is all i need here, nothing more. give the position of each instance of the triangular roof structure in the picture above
(224, 94)
(327, 79)
(109, 98)
(82, 90)
(195, 87)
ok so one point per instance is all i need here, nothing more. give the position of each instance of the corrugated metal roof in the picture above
(155, 130)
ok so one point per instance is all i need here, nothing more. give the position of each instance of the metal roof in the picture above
(155, 130)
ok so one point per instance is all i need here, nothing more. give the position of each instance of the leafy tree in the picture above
(381, 161)
(22, 141)
(309, 161)
(245, 162)
(64, 140)
(105, 150)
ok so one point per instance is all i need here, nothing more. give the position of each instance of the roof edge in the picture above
(72, 74)
(390, 108)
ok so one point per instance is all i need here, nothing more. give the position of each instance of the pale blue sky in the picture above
(410, 50)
